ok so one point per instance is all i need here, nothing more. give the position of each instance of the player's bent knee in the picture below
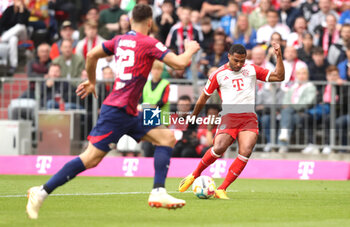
(219, 148)
(92, 156)
(246, 152)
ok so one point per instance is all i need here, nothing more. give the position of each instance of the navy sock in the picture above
(68, 172)
(162, 156)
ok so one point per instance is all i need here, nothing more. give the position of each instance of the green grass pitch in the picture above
(253, 203)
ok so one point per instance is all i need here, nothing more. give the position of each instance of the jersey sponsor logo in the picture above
(218, 168)
(161, 47)
(130, 165)
(238, 84)
(43, 163)
(226, 78)
(151, 116)
(305, 170)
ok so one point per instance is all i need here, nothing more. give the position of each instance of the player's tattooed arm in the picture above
(278, 74)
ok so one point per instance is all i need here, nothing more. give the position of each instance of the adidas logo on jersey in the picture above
(226, 78)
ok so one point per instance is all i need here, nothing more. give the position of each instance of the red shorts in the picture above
(232, 124)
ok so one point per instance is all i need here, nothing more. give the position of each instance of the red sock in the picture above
(209, 158)
(234, 171)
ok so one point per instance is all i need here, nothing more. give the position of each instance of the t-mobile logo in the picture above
(238, 84)
(306, 169)
(218, 168)
(43, 163)
(130, 166)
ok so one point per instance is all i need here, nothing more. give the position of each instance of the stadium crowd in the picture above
(314, 36)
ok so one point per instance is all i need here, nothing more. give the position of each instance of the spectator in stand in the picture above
(156, 94)
(215, 9)
(320, 17)
(304, 52)
(110, 17)
(181, 31)
(71, 64)
(318, 66)
(91, 39)
(297, 99)
(336, 52)
(287, 13)
(124, 25)
(308, 8)
(38, 67)
(300, 28)
(186, 135)
(243, 33)
(166, 19)
(291, 65)
(344, 66)
(220, 35)
(320, 113)
(66, 34)
(264, 33)
(93, 14)
(206, 133)
(216, 59)
(13, 29)
(258, 17)
(39, 14)
(270, 56)
(228, 22)
(56, 93)
(208, 36)
(325, 36)
(259, 58)
(195, 18)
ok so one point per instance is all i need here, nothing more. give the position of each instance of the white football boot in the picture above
(36, 196)
(160, 198)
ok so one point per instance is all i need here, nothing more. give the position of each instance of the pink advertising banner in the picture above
(181, 167)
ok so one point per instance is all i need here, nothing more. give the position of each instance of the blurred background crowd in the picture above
(49, 39)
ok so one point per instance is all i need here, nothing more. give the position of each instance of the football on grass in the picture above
(204, 187)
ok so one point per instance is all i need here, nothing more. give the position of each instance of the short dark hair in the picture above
(317, 50)
(185, 97)
(232, 2)
(238, 49)
(141, 12)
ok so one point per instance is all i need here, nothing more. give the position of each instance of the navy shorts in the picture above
(112, 124)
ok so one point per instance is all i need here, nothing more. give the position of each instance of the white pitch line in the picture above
(100, 194)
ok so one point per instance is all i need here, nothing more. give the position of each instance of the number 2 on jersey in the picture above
(126, 58)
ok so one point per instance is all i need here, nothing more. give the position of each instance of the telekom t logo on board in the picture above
(238, 84)
(43, 163)
(130, 165)
(306, 169)
(218, 168)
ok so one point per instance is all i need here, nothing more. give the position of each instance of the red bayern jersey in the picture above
(134, 55)
(236, 89)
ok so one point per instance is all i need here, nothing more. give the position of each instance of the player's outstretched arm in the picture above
(87, 87)
(278, 74)
(183, 60)
(200, 103)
